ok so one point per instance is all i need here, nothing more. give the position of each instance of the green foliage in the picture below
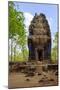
(19, 57)
(16, 21)
(54, 53)
(17, 32)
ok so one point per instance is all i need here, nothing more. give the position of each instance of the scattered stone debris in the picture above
(30, 74)
(41, 80)
(44, 75)
(51, 79)
(39, 74)
(29, 66)
(27, 79)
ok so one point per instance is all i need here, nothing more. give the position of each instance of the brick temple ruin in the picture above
(39, 40)
(38, 70)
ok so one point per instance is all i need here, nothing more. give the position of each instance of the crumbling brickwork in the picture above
(39, 40)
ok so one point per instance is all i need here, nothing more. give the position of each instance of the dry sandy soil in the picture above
(18, 79)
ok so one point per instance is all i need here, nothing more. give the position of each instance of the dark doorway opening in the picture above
(40, 55)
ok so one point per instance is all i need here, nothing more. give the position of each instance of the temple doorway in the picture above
(40, 54)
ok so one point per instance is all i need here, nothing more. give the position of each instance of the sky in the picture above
(50, 11)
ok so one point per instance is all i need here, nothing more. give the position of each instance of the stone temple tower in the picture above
(39, 40)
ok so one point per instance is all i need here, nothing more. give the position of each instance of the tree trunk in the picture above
(23, 52)
(15, 53)
(11, 49)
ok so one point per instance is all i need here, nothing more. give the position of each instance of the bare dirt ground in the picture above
(19, 80)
